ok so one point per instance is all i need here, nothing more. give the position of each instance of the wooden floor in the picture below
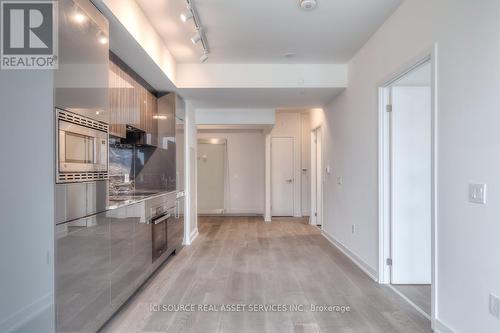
(244, 260)
(420, 294)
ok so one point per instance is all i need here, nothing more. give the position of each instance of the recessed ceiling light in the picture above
(308, 4)
(79, 17)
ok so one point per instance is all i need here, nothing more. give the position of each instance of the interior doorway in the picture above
(407, 185)
(212, 156)
(282, 176)
(316, 178)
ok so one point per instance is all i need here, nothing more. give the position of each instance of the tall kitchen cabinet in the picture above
(82, 256)
(171, 111)
(81, 82)
(131, 101)
(180, 114)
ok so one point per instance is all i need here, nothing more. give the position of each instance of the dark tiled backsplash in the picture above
(135, 168)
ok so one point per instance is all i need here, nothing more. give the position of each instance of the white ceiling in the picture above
(262, 31)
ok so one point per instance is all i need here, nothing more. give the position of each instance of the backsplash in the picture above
(136, 169)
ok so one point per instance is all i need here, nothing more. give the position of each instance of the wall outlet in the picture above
(495, 306)
(477, 193)
(353, 228)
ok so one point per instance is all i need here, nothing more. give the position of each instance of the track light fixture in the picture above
(199, 37)
(186, 16)
(204, 57)
(196, 38)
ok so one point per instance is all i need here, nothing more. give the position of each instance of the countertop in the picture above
(122, 200)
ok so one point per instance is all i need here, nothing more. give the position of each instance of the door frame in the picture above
(225, 195)
(293, 171)
(384, 183)
(316, 182)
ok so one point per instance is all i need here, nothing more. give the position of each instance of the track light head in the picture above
(186, 16)
(204, 57)
(196, 38)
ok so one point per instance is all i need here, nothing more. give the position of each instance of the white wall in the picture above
(27, 201)
(467, 34)
(245, 153)
(221, 116)
(137, 24)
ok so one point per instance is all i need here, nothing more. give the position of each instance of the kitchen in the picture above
(118, 200)
(108, 222)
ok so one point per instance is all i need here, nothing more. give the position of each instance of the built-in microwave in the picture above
(81, 148)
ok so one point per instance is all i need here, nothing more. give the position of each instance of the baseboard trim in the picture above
(230, 214)
(372, 273)
(442, 327)
(194, 234)
(210, 211)
(26, 314)
(409, 301)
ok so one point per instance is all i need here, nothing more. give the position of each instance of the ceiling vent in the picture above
(308, 4)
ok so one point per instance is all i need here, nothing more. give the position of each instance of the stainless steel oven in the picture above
(159, 231)
(82, 148)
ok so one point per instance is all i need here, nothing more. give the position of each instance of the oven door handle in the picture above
(160, 219)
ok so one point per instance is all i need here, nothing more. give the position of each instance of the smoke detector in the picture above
(308, 4)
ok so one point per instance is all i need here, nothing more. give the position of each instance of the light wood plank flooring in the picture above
(243, 260)
(420, 294)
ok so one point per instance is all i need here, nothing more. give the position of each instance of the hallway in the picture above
(242, 260)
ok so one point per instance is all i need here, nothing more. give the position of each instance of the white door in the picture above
(411, 185)
(211, 172)
(282, 187)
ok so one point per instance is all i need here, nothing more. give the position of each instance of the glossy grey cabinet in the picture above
(130, 251)
(100, 262)
(77, 200)
(81, 82)
(103, 259)
(83, 300)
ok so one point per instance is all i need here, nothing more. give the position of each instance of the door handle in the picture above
(289, 180)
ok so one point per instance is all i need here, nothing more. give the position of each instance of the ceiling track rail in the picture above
(197, 23)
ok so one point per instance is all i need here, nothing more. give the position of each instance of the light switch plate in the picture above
(340, 180)
(477, 193)
(495, 306)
